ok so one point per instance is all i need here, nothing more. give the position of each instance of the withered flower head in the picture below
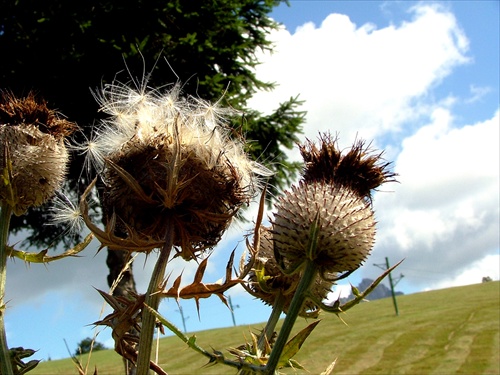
(346, 227)
(170, 161)
(33, 156)
(266, 280)
(359, 170)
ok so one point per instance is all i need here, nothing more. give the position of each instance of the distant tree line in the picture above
(87, 345)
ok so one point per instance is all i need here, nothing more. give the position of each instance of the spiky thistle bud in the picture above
(335, 192)
(266, 281)
(346, 227)
(33, 156)
(169, 161)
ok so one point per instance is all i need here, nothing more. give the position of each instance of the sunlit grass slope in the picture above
(449, 331)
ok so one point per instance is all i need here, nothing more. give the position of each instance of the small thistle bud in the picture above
(267, 281)
(33, 156)
(170, 161)
(346, 227)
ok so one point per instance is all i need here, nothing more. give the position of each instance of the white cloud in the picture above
(485, 267)
(477, 93)
(444, 215)
(339, 291)
(362, 79)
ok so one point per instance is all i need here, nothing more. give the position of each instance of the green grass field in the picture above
(449, 331)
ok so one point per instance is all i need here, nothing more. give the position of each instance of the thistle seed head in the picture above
(33, 154)
(346, 227)
(169, 161)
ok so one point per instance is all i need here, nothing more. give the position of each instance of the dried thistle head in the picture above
(33, 156)
(266, 281)
(346, 227)
(359, 170)
(170, 161)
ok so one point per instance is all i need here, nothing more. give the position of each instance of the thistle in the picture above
(32, 151)
(173, 179)
(323, 229)
(336, 191)
(168, 161)
(360, 169)
(33, 159)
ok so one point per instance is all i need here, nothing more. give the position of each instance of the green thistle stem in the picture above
(5, 214)
(153, 301)
(309, 273)
(278, 305)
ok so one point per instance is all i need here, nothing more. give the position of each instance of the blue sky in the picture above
(421, 80)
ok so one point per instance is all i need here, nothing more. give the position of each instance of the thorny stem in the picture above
(153, 300)
(309, 273)
(5, 214)
(268, 331)
(299, 297)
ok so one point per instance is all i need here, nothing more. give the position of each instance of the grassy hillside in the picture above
(449, 331)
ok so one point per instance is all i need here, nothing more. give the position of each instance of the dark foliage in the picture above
(64, 49)
(86, 345)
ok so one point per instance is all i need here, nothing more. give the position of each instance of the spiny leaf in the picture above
(293, 346)
(355, 291)
(197, 289)
(7, 177)
(254, 248)
(312, 246)
(42, 257)
(17, 355)
(336, 308)
(177, 284)
(368, 290)
(28, 366)
(125, 315)
(198, 276)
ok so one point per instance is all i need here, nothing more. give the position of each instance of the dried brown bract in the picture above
(360, 169)
(33, 111)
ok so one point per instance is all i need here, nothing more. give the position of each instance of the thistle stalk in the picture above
(309, 272)
(153, 300)
(278, 306)
(268, 331)
(308, 276)
(5, 215)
